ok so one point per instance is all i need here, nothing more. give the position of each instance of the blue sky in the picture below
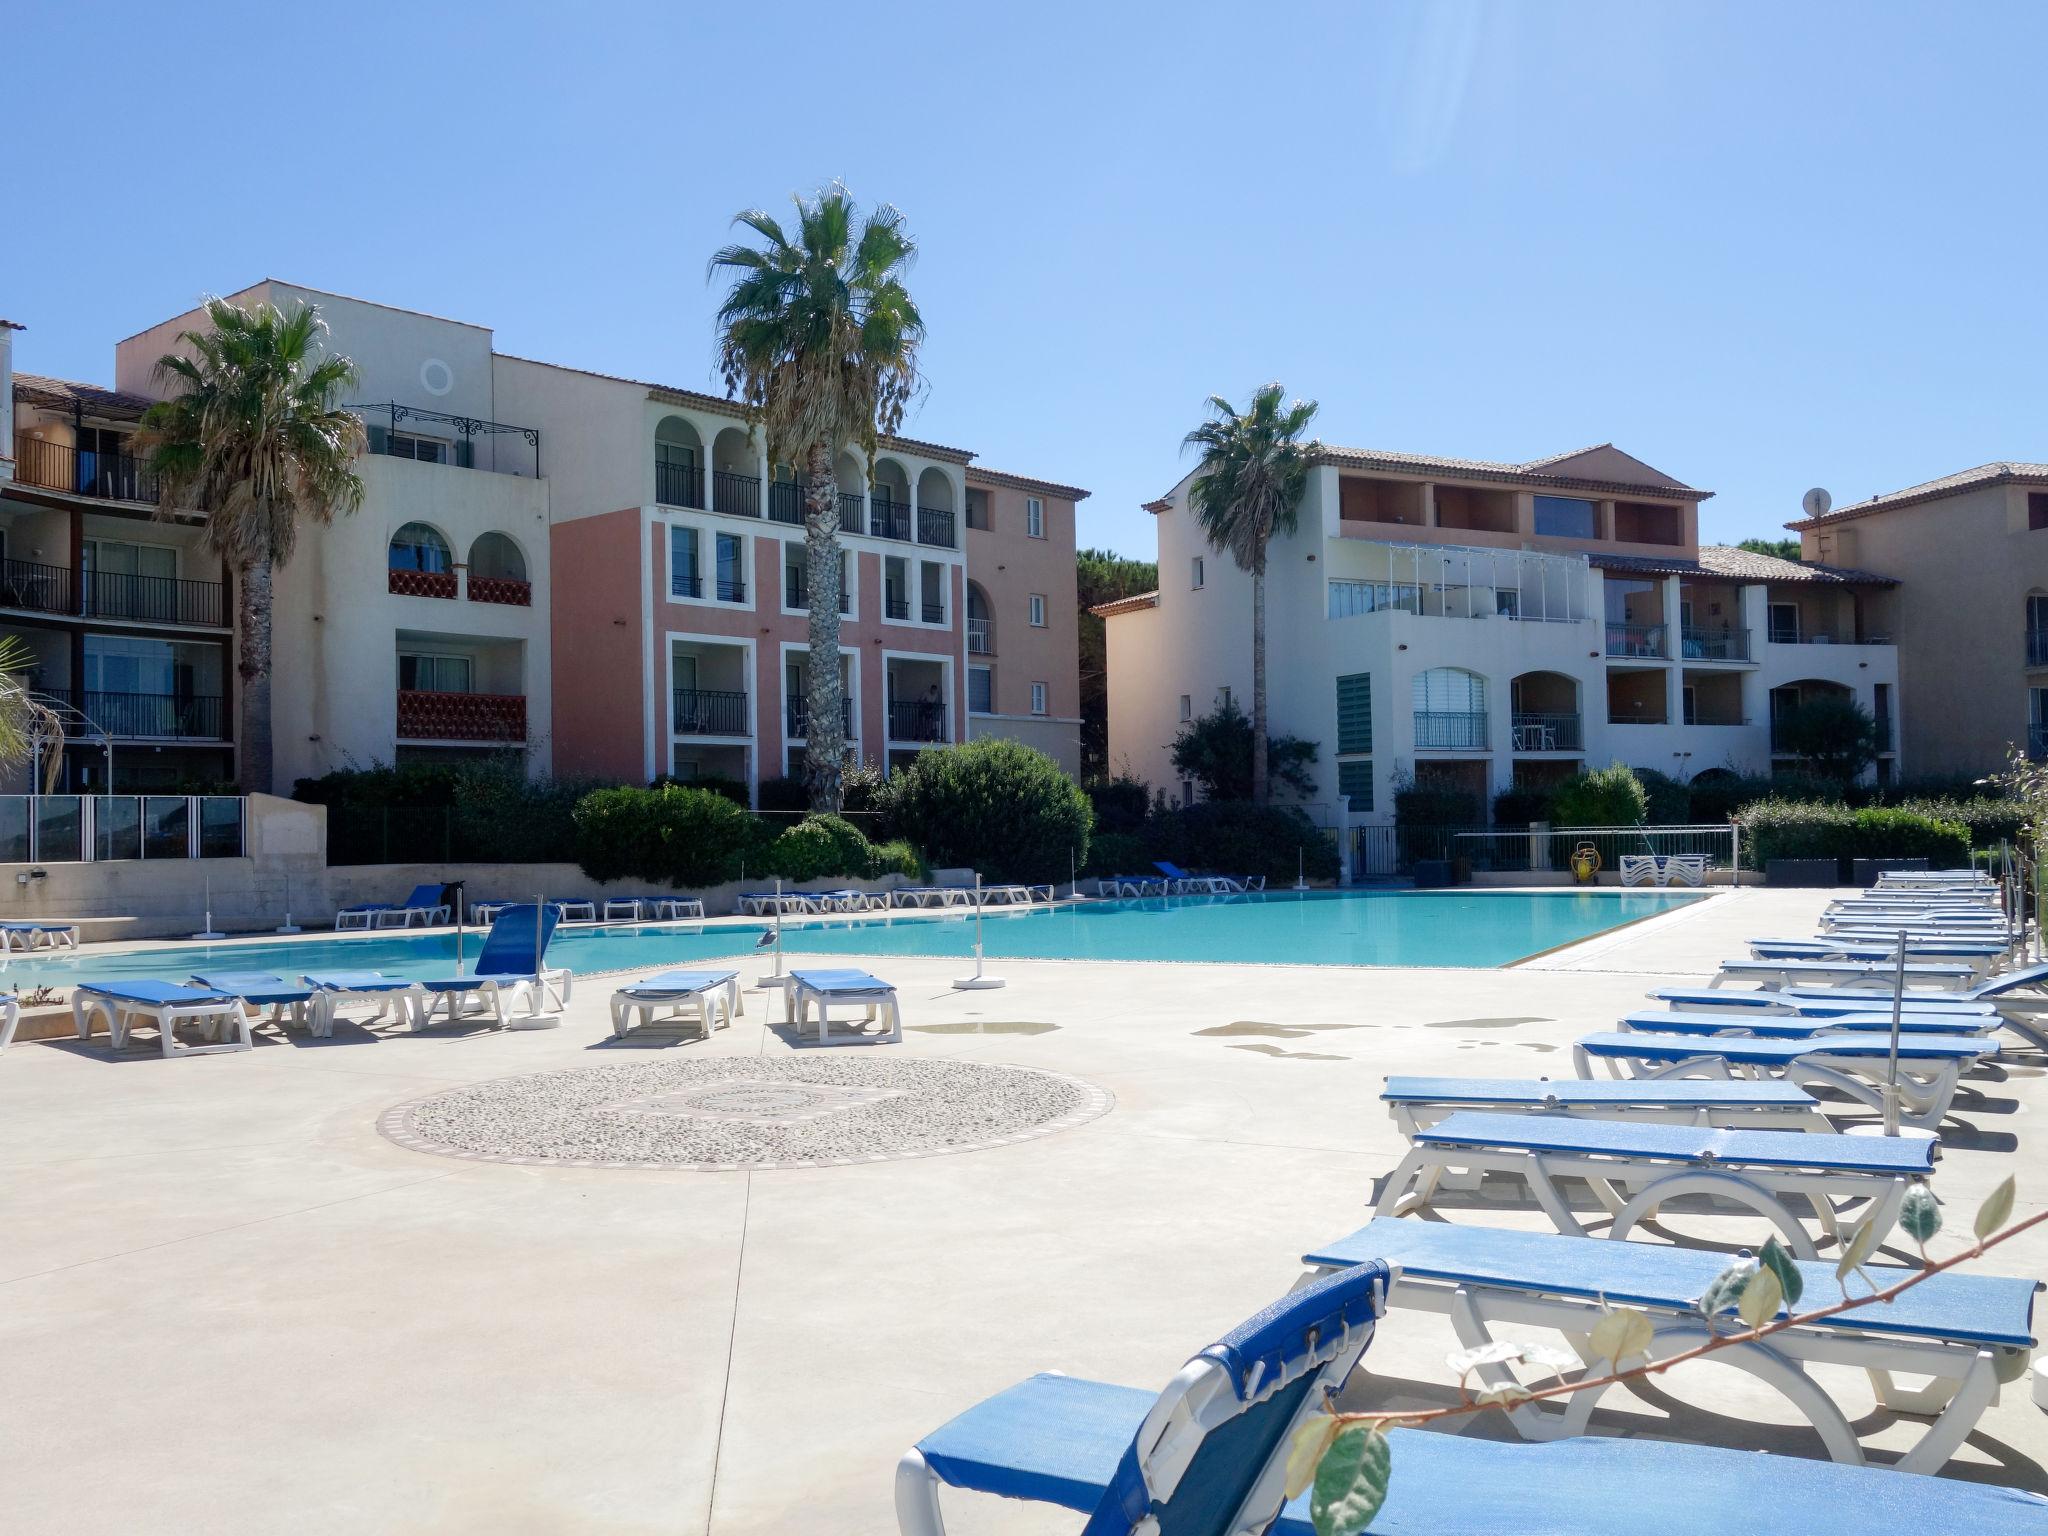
(1761, 246)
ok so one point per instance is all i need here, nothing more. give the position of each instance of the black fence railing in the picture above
(1645, 640)
(164, 716)
(685, 584)
(786, 501)
(1454, 729)
(153, 599)
(896, 607)
(917, 720)
(889, 519)
(710, 712)
(112, 476)
(935, 526)
(38, 588)
(735, 495)
(1540, 731)
(796, 593)
(678, 485)
(851, 516)
(1715, 644)
(797, 717)
(934, 613)
(731, 590)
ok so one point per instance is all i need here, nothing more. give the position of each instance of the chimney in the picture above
(7, 330)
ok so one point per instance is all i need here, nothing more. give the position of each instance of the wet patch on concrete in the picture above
(1274, 1050)
(1482, 1023)
(983, 1027)
(1270, 1031)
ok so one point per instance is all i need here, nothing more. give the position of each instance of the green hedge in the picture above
(486, 813)
(1782, 829)
(686, 837)
(993, 805)
(1230, 837)
(1606, 797)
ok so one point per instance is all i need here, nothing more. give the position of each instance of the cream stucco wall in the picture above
(1010, 566)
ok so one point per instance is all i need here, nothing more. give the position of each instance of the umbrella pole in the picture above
(1891, 1082)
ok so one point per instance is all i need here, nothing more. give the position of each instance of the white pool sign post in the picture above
(977, 982)
(1891, 1078)
(775, 978)
(211, 932)
(1301, 869)
(287, 926)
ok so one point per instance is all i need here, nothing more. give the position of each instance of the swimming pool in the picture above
(1473, 929)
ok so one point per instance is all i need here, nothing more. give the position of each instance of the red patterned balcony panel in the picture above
(424, 716)
(501, 589)
(406, 583)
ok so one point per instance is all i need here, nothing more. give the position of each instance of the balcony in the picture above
(1543, 732)
(153, 716)
(933, 613)
(394, 431)
(796, 593)
(914, 720)
(786, 502)
(406, 582)
(935, 527)
(896, 607)
(710, 712)
(679, 485)
(735, 495)
(1455, 730)
(1639, 641)
(501, 589)
(2037, 647)
(1715, 644)
(889, 519)
(797, 718)
(1785, 635)
(425, 715)
(61, 467)
(981, 637)
(110, 595)
(1452, 581)
(37, 588)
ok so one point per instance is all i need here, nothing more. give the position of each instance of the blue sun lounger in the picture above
(24, 934)
(707, 994)
(1785, 1026)
(1940, 977)
(1633, 1168)
(1207, 1455)
(821, 989)
(510, 969)
(1066, 1441)
(260, 989)
(1416, 1103)
(393, 996)
(1966, 1331)
(1819, 1001)
(426, 903)
(1850, 1061)
(166, 1005)
(1979, 954)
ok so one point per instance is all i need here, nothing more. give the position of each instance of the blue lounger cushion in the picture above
(23, 925)
(1059, 1438)
(1821, 1001)
(1874, 950)
(841, 981)
(677, 983)
(355, 981)
(1571, 1092)
(1684, 1143)
(259, 987)
(1680, 1021)
(154, 994)
(1915, 970)
(1778, 1053)
(1984, 1309)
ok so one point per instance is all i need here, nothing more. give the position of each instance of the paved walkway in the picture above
(228, 1304)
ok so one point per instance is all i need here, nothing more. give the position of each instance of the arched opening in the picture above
(735, 473)
(678, 463)
(889, 501)
(981, 626)
(936, 523)
(1450, 710)
(495, 557)
(1546, 715)
(418, 547)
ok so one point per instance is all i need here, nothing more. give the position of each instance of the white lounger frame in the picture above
(709, 1008)
(34, 936)
(10, 1020)
(1412, 1116)
(798, 1001)
(1925, 1092)
(495, 997)
(225, 1021)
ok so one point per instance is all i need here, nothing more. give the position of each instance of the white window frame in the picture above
(1196, 573)
(990, 673)
(1187, 706)
(1038, 610)
(1034, 517)
(707, 536)
(1038, 699)
(1771, 610)
(418, 439)
(439, 658)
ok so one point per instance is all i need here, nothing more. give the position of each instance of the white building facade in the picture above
(1473, 626)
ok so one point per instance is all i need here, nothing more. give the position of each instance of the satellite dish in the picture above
(1816, 502)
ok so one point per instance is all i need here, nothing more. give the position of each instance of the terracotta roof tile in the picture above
(62, 394)
(2004, 472)
(1025, 483)
(1724, 562)
(1129, 604)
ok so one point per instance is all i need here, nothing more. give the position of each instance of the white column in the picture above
(7, 330)
(1674, 647)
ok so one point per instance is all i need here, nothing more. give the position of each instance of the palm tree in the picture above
(818, 337)
(253, 438)
(26, 723)
(1248, 487)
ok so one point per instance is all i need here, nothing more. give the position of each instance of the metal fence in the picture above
(1387, 852)
(93, 829)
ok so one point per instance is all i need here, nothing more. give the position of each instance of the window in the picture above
(1784, 623)
(1187, 791)
(1198, 573)
(1354, 778)
(2037, 510)
(1507, 602)
(684, 579)
(732, 586)
(416, 547)
(1187, 706)
(1038, 610)
(406, 445)
(981, 690)
(1223, 697)
(1566, 517)
(436, 674)
(977, 509)
(1038, 698)
(1692, 713)
(1354, 713)
(1034, 517)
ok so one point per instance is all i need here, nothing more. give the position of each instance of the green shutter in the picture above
(1354, 713)
(1355, 779)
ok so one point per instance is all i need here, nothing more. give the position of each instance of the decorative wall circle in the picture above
(729, 1113)
(436, 377)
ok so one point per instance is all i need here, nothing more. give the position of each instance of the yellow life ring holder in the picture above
(1585, 863)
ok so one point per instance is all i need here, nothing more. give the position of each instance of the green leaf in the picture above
(1310, 1441)
(1780, 1262)
(1919, 1215)
(1995, 1210)
(1857, 1251)
(1622, 1333)
(1760, 1298)
(1726, 1288)
(1351, 1482)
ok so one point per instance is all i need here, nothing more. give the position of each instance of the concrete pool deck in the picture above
(229, 1304)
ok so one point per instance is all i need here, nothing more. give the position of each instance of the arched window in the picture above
(1450, 709)
(416, 547)
(678, 460)
(495, 557)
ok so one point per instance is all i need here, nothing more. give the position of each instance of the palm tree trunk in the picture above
(1260, 788)
(252, 666)
(825, 731)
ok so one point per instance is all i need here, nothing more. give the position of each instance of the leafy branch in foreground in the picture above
(1345, 1460)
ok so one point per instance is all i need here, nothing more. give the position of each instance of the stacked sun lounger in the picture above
(1728, 1102)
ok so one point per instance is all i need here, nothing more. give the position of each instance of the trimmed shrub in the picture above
(1991, 821)
(1669, 803)
(1120, 803)
(819, 846)
(783, 794)
(678, 836)
(711, 783)
(1607, 797)
(483, 813)
(896, 857)
(1234, 837)
(1435, 805)
(1119, 853)
(1783, 829)
(1520, 804)
(992, 805)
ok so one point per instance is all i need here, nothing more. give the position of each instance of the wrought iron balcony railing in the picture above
(889, 519)
(797, 717)
(678, 485)
(154, 716)
(734, 494)
(1715, 644)
(1643, 640)
(981, 637)
(426, 714)
(1455, 729)
(1547, 731)
(935, 527)
(915, 720)
(710, 712)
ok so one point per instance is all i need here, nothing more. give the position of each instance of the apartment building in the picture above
(1476, 624)
(1970, 551)
(1023, 618)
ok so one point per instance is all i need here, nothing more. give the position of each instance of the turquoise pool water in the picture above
(1443, 928)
